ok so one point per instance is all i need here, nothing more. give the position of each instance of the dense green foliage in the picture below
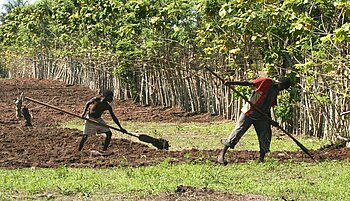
(277, 32)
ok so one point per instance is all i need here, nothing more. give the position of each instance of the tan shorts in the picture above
(92, 128)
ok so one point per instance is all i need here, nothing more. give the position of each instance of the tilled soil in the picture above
(44, 145)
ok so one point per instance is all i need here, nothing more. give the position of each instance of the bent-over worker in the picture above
(264, 97)
(98, 106)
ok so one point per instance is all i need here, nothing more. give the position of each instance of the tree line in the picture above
(154, 52)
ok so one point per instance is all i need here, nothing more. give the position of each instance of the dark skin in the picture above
(97, 107)
(280, 87)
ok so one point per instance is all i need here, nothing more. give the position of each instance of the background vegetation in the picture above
(153, 52)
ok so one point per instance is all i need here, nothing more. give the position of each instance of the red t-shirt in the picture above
(264, 97)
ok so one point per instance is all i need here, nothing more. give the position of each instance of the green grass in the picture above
(206, 135)
(327, 180)
(293, 181)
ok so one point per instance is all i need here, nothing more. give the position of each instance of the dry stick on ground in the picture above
(303, 148)
(159, 143)
(27, 116)
(18, 104)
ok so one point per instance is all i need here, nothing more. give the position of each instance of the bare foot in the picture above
(221, 159)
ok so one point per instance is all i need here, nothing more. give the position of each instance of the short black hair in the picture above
(107, 93)
(285, 82)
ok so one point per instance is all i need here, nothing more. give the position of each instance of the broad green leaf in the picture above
(326, 38)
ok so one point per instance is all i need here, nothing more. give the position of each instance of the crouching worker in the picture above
(96, 107)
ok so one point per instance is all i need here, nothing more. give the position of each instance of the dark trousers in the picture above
(262, 127)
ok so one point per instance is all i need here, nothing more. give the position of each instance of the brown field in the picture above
(44, 145)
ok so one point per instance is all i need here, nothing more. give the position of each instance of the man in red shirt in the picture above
(264, 97)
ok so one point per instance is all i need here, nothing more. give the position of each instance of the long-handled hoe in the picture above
(157, 142)
(303, 148)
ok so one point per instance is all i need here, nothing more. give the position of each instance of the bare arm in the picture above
(241, 83)
(87, 105)
(115, 119)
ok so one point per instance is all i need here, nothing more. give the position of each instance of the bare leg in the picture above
(82, 141)
(221, 156)
(107, 140)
